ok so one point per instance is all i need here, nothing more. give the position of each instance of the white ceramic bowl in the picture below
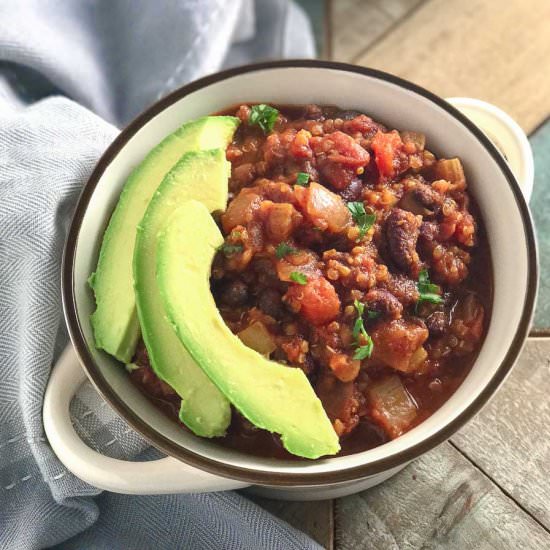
(200, 464)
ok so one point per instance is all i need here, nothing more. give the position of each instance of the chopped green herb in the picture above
(230, 249)
(302, 179)
(358, 327)
(298, 277)
(428, 292)
(430, 297)
(373, 314)
(361, 217)
(283, 249)
(263, 116)
(362, 351)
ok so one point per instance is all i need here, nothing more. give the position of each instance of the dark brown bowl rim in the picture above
(265, 477)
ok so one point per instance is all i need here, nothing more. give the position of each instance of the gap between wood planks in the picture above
(499, 486)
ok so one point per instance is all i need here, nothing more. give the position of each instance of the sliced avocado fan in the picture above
(272, 396)
(114, 322)
(199, 175)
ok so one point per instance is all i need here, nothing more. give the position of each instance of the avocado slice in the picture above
(200, 175)
(272, 396)
(114, 322)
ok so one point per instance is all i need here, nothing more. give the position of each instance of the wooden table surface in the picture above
(489, 486)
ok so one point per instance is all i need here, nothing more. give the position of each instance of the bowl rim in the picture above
(279, 478)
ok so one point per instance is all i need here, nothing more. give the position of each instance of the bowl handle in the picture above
(166, 475)
(506, 135)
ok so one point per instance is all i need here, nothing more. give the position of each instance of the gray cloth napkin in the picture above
(70, 72)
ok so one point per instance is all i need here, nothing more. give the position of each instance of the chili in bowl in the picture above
(354, 254)
(371, 245)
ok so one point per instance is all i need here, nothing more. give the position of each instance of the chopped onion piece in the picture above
(417, 360)
(450, 170)
(302, 262)
(240, 209)
(257, 337)
(391, 405)
(323, 208)
(417, 138)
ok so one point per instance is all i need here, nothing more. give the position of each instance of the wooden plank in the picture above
(509, 439)
(313, 518)
(356, 24)
(440, 501)
(489, 49)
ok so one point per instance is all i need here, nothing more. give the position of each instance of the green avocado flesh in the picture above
(272, 396)
(114, 322)
(198, 175)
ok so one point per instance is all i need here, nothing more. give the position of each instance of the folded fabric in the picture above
(111, 59)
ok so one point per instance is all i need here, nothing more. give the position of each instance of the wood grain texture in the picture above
(357, 24)
(509, 441)
(488, 49)
(313, 518)
(440, 501)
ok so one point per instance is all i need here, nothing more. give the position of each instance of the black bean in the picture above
(313, 112)
(437, 323)
(384, 302)
(403, 288)
(353, 191)
(427, 196)
(402, 230)
(270, 303)
(235, 293)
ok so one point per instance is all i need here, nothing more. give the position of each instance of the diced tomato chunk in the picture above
(339, 156)
(395, 343)
(387, 148)
(340, 148)
(316, 301)
(299, 148)
(338, 175)
(362, 124)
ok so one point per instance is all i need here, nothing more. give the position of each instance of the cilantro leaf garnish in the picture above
(298, 277)
(230, 249)
(362, 351)
(361, 217)
(302, 179)
(428, 292)
(284, 249)
(263, 116)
